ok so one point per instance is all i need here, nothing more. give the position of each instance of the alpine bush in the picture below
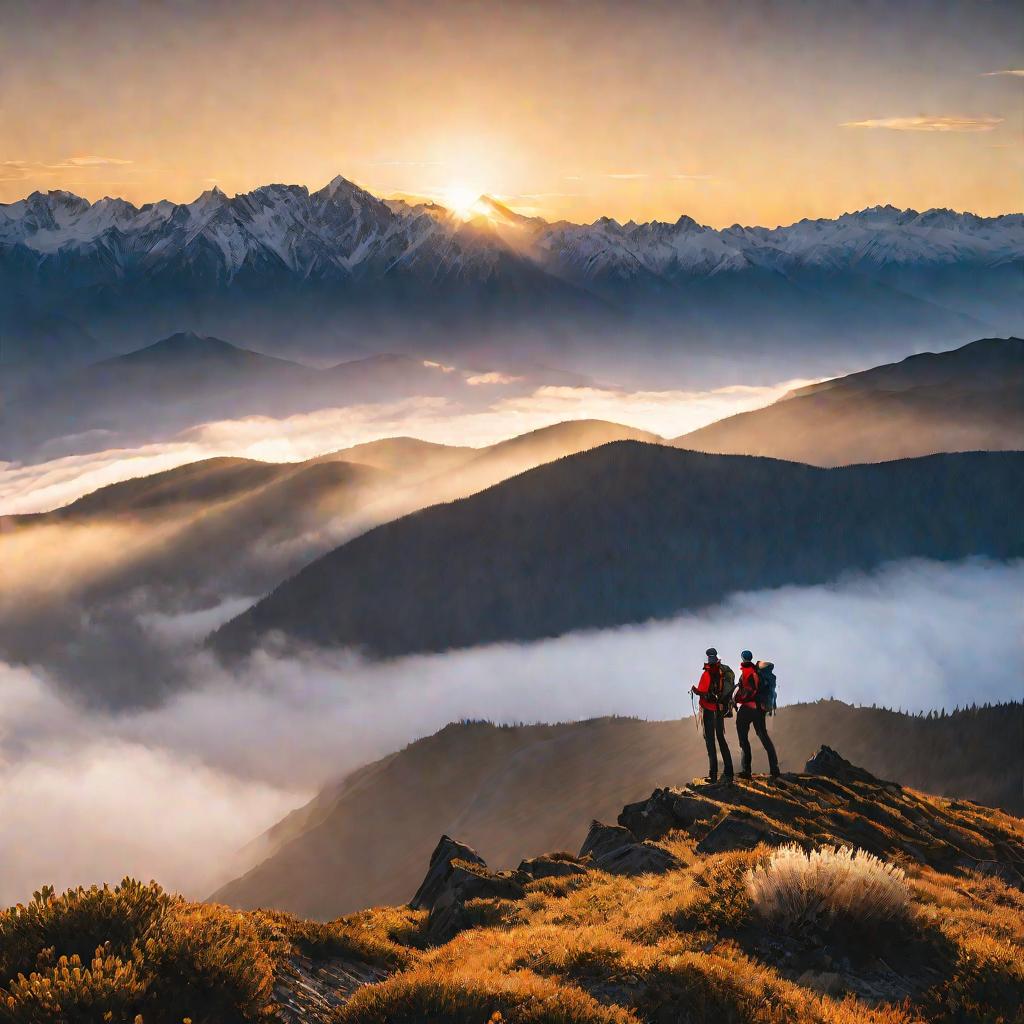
(132, 953)
(799, 892)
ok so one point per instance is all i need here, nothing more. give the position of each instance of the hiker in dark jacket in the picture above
(750, 712)
(715, 691)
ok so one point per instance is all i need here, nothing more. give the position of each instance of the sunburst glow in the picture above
(462, 200)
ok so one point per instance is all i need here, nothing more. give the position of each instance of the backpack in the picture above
(766, 691)
(722, 693)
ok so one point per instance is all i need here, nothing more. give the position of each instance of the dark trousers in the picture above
(714, 728)
(745, 718)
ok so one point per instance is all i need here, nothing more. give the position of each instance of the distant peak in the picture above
(210, 197)
(184, 343)
(339, 184)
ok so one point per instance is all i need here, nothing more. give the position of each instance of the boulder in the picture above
(445, 852)
(467, 881)
(552, 866)
(664, 810)
(614, 849)
(737, 832)
(602, 839)
(637, 859)
(832, 764)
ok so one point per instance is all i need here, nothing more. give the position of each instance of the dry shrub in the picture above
(382, 936)
(519, 997)
(798, 891)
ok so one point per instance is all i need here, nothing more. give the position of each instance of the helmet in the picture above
(746, 656)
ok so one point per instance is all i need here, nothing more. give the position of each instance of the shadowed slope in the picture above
(629, 532)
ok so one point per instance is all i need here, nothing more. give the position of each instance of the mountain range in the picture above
(339, 269)
(364, 839)
(186, 540)
(630, 532)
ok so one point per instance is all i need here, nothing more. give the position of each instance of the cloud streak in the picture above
(928, 124)
(1016, 72)
(55, 482)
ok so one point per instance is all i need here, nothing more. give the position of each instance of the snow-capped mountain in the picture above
(342, 262)
(342, 229)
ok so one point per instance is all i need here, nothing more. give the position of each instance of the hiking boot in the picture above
(727, 779)
(745, 775)
(711, 779)
(774, 773)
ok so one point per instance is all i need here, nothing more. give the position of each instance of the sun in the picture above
(461, 200)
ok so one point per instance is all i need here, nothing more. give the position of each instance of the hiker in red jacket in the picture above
(749, 712)
(715, 692)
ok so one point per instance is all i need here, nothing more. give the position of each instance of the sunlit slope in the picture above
(970, 399)
(366, 839)
(629, 532)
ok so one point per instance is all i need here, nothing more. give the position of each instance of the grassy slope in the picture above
(588, 949)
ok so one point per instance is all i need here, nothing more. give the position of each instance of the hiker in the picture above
(750, 711)
(715, 692)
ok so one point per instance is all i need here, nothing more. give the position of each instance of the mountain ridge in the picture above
(625, 533)
(966, 399)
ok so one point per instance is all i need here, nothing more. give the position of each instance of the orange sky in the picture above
(743, 111)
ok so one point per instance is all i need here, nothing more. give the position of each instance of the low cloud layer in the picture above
(175, 791)
(51, 484)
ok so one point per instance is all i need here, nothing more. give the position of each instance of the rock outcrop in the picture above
(739, 831)
(552, 865)
(615, 849)
(464, 882)
(665, 810)
(433, 884)
(831, 763)
(833, 799)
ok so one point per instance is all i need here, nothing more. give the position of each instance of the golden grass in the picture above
(586, 949)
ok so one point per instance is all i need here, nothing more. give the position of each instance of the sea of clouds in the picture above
(174, 791)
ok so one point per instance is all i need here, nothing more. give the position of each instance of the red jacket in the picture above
(711, 674)
(750, 681)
